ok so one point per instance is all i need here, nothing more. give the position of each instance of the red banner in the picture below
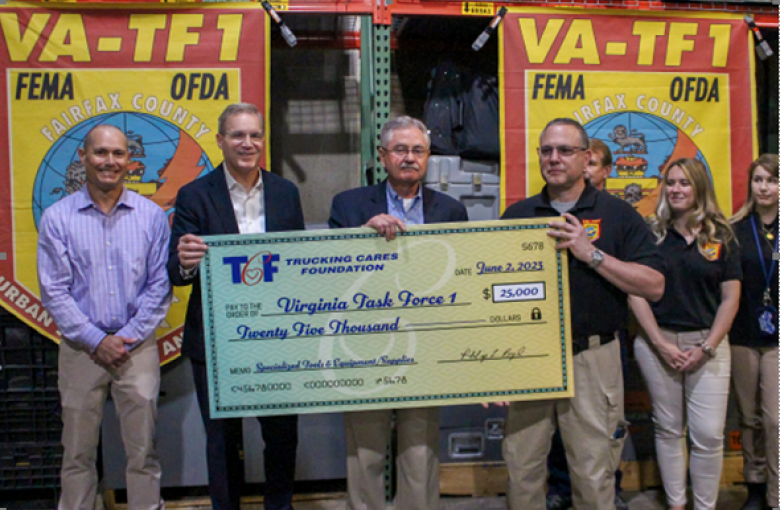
(161, 74)
(653, 86)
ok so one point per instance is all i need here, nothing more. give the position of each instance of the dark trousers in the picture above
(224, 440)
(559, 481)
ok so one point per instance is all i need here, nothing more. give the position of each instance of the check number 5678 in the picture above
(504, 292)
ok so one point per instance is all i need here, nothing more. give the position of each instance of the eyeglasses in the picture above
(401, 151)
(238, 136)
(563, 150)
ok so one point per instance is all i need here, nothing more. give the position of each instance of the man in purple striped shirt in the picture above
(101, 268)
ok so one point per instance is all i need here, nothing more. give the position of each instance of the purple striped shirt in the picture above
(101, 272)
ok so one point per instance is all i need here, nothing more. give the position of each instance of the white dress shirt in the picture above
(249, 208)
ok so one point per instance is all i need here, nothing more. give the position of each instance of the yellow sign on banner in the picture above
(162, 76)
(281, 5)
(653, 86)
(170, 130)
(646, 118)
(478, 8)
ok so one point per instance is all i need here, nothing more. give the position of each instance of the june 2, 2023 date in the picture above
(510, 267)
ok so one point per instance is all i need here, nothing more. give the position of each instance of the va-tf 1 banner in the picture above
(162, 75)
(654, 87)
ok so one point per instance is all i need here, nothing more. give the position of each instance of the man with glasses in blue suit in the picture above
(389, 207)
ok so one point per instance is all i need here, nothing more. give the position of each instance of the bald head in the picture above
(106, 160)
(89, 140)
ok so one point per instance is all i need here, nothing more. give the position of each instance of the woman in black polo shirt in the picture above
(753, 335)
(682, 348)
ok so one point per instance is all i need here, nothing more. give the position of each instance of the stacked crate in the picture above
(30, 425)
(475, 184)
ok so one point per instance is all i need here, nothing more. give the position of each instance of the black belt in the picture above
(111, 331)
(583, 344)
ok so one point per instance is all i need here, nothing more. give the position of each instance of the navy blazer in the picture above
(353, 208)
(203, 207)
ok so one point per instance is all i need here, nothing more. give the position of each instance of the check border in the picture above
(421, 230)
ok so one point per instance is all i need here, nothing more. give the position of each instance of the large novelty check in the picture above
(342, 320)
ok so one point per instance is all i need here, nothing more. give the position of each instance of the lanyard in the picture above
(767, 273)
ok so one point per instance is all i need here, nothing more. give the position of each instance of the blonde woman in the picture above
(753, 335)
(682, 347)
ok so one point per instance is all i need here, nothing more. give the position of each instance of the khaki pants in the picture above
(588, 422)
(83, 390)
(368, 434)
(699, 398)
(754, 372)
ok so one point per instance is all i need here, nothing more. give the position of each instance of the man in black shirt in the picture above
(611, 254)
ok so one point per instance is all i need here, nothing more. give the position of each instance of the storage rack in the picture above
(30, 424)
(376, 42)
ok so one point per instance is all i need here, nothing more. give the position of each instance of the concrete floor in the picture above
(729, 499)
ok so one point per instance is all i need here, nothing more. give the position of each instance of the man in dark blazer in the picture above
(237, 197)
(389, 207)
(358, 206)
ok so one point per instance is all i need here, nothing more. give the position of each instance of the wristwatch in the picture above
(598, 258)
(708, 350)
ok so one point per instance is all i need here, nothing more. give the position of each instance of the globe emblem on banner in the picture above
(163, 157)
(642, 145)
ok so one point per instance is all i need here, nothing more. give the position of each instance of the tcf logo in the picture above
(251, 271)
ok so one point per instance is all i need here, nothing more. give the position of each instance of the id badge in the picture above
(767, 321)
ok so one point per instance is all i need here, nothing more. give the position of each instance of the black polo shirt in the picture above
(744, 331)
(692, 293)
(597, 306)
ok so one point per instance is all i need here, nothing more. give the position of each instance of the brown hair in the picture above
(769, 163)
(235, 109)
(597, 145)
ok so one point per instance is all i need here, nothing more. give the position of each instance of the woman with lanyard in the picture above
(754, 334)
(682, 347)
